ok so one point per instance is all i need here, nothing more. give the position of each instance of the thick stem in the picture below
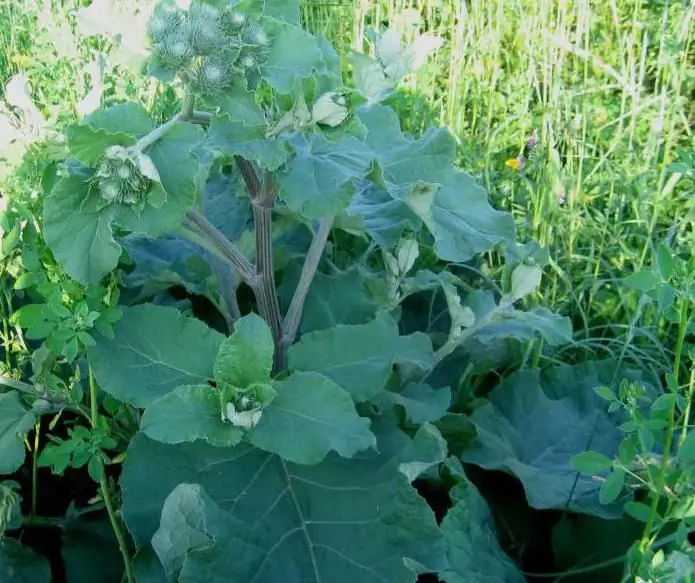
(311, 263)
(116, 524)
(222, 246)
(266, 295)
(250, 176)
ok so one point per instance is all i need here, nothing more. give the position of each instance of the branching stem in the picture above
(266, 294)
(222, 246)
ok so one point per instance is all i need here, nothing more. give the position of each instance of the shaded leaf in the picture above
(155, 350)
(90, 551)
(587, 541)
(360, 358)
(533, 432)
(20, 564)
(474, 553)
(383, 217)
(421, 402)
(339, 298)
(15, 422)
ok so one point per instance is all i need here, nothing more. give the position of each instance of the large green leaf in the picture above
(309, 417)
(382, 216)
(165, 262)
(189, 413)
(81, 239)
(360, 358)
(472, 548)
(242, 131)
(294, 54)
(20, 564)
(421, 402)
(155, 350)
(421, 173)
(247, 355)
(533, 424)
(119, 125)
(318, 180)
(15, 422)
(495, 321)
(339, 521)
(339, 298)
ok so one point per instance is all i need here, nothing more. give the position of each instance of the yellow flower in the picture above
(516, 163)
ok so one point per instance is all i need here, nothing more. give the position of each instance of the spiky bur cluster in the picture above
(210, 49)
(125, 176)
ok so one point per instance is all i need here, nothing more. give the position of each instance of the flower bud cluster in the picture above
(124, 177)
(209, 48)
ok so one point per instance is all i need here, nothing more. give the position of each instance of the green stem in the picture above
(294, 313)
(35, 469)
(647, 538)
(159, 132)
(28, 389)
(105, 490)
(266, 294)
(214, 240)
